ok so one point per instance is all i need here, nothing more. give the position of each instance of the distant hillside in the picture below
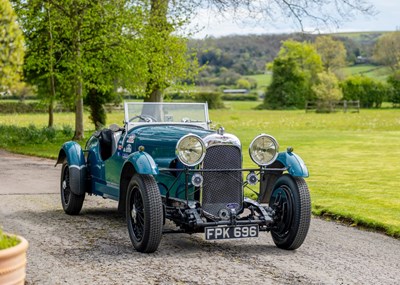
(248, 54)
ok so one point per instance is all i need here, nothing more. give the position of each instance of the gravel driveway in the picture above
(94, 247)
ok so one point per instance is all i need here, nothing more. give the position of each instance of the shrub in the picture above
(213, 99)
(20, 107)
(394, 82)
(67, 130)
(7, 241)
(13, 135)
(244, 97)
(370, 92)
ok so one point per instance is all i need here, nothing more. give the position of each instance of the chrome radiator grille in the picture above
(221, 188)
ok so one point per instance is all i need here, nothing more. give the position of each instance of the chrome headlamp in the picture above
(264, 150)
(190, 150)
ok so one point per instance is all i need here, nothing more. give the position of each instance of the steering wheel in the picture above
(146, 118)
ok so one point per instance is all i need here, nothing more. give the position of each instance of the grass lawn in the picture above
(263, 80)
(353, 158)
(368, 70)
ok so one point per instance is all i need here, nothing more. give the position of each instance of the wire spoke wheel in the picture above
(290, 199)
(137, 213)
(144, 213)
(65, 187)
(71, 202)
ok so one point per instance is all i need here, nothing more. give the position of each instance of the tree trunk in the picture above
(158, 22)
(52, 83)
(51, 114)
(156, 95)
(79, 131)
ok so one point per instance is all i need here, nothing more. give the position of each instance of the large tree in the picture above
(79, 46)
(289, 85)
(168, 59)
(387, 50)
(11, 48)
(294, 71)
(332, 52)
(42, 32)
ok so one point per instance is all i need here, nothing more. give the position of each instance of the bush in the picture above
(13, 135)
(213, 99)
(67, 131)
(289, 86)
(241, 97)
(394, 82)
(20, 107)
(370, 92)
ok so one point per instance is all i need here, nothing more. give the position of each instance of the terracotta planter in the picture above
(13, 264)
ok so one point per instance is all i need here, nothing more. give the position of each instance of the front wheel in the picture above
(290, 199)
(144, 213)
(71, 203)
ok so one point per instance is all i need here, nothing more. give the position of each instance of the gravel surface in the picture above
(94, 247)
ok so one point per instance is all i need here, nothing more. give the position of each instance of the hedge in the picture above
(247, 97)
(31, 107)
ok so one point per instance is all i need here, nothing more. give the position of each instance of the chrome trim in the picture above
(225, 139)
(202, 146)
(274, 141)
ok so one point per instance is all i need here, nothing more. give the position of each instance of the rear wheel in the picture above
(290, 199)
(144, 213)
(71, 203)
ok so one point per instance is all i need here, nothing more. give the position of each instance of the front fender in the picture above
(294, 164)
(73, 154)
(143, 163)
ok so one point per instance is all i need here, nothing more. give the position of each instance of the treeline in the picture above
(248, 54)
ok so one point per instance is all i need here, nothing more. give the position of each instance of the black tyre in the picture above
(291, 201)
(144, 213)
(71, 203)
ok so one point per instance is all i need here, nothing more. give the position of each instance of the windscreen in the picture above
(166, 112)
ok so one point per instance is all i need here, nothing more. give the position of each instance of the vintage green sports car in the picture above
(166, 163)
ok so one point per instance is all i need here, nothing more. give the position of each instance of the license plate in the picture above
(227, 232)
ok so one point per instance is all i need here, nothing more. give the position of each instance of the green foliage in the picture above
(240, 97)
(332, 52)
(212, 98)
(305, 57)
(243, 83)
(225, 77)
(289, 86)
(75, 46)
(7, 241)
(67, 130)
(327, 88)
(96, 100)
(294, 71)
(394, 82)
(11, 48)
(370, 92)
(387, 50)
(14, 135)
(21, 107)
(242, 54)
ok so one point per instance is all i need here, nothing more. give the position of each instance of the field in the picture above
(353, 158)
(263, 80)
(368, 70)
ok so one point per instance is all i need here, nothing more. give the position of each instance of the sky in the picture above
(386, 19)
